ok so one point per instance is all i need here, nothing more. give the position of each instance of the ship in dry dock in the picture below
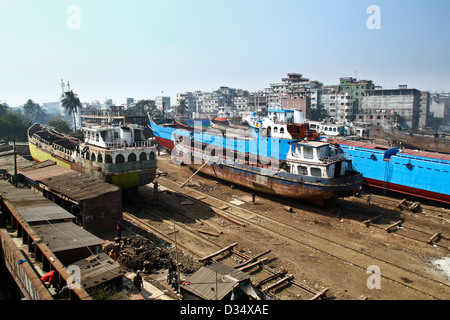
(117, 154)
(296, 167)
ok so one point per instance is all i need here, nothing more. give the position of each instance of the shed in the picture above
(68, 241)
(96, 204)
(218, 282)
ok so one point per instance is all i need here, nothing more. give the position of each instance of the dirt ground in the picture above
(336, 250)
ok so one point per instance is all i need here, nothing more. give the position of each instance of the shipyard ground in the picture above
(356, 250)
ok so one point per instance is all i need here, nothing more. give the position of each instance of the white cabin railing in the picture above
(121, 143)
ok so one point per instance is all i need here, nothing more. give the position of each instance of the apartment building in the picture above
(339, 105)
(391, 106)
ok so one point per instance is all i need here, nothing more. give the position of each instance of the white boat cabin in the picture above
(115, 136)
(315, 158)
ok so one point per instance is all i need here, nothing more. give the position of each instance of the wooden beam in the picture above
(252, 264)
(320, 294)
(287, 278)
(270, 278)
(396, 224)
(434, 236)
(231, 246)
(368, 221)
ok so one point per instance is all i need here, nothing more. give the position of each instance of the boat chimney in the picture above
(298, 117)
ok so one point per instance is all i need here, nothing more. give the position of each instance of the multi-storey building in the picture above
(391, 106)
(338, 105)
(356, 89)
(160, 100)
(294, 92)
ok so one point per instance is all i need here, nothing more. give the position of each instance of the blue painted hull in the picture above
(421, 174)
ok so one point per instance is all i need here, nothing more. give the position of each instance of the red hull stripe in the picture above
(409, 190)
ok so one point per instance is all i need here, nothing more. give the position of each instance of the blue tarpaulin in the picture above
(390, 152)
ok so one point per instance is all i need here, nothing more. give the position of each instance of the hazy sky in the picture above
(139, 49)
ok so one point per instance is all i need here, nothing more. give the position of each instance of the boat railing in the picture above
(121, 143)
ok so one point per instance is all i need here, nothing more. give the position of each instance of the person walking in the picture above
(137, 281)
(119, 231)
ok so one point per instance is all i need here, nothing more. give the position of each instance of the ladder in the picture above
(388, 170)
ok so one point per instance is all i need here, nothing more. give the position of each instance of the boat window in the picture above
(87, 155)
(143, 156)
(108, 159)
(100, 158)
(96, 137)
(152, 155)
(93, 157)
(131, 157)
(282, 130)
(120, 158)
(316, 172)
(275, 130)
(302, 170)
(308, 153)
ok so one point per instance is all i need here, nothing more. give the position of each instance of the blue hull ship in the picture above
(417, 173)
(285, 163)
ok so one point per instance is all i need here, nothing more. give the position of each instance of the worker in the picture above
(155, 189)
(113, 255)
(119, 231)
(368, 199)
(137, 281)
(48, 277)
(253, 197)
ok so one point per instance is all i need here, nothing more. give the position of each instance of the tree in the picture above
(319, 113)
(71, 103)
(13, 127)
(33, 112)
(142, 107)
(3, 109)
(60, 125)
(182, 107)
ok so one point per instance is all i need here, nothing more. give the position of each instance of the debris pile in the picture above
(144, 254)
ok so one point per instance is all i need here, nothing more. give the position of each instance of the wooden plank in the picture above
(368, 221)
(287, 278)
(320, 294)
(434, 236)
(396, 224)
(270, 278)
(228, 218)
(212, 255)
(253, 264)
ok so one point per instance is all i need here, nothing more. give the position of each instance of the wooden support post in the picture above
(201, 167)
(433, 237)
(231, 246)
(396, 224)
(320, 295)
(368, 221)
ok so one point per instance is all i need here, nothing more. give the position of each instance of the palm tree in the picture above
(71, 104)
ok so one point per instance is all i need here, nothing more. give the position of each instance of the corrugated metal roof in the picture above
(31, 206)
(63, 236)
(218, 276)
(67, 182)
